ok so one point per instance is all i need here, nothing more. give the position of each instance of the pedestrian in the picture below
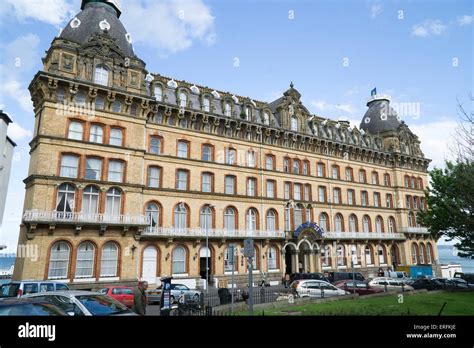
(139, 298)
(287, 280)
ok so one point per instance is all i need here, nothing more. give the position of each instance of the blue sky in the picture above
(335, 52)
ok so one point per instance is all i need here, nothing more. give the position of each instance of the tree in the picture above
(450, 205)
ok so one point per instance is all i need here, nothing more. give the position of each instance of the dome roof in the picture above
(94, 18)
(380, 117)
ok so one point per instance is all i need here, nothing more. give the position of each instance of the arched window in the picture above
(227, 109)
(366, 224)
(429, 253)
(255, 259)
(411, 219)
(96, 134)
(422, 253)
(153, 212)
(101, 76)
(296, 166)
(85, 260)
(266, 118)
(113, 201)
(378, 224)
(179, 260)
(326, 256)
(80, 99)
(294, 124)
(180, 216)
(158, 92)
(414, 253)
(391, 224)
(117, 106)
(206, 218)
(381, 254)
(323, 221)
(183, 99)
(229, 219)
(352, 223)
(368, 255)
(252, 219)
(206, 104)
(109, 260)
(76, 130)
(155, 145)
(341, 255)
(272, 258)
(99, 103)
(66, 198)
(354, 256)
(59, 261)
(116, 136)
(271, 220)
(338, 223)
(90, 200)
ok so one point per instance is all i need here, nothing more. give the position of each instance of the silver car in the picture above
(315, 288)
(82, 303)
(178, 290)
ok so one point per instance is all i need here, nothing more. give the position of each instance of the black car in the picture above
(424, 283)
(445, 283)
(28, 307)
(301, 276)
(335, 277)
(468, 277)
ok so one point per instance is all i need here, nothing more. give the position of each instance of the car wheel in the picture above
(196, 297)
(171, 299)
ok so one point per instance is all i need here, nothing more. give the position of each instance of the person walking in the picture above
(139, 298)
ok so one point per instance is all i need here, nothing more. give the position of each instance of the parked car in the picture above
(469, 277)
(302, 276)
(335, 277)
(390, 284)
(423, 283)
(315, 288)
(28, 307)
(123, 294)
(361, 288)
(445, 283)
(179, 289)
(403, 276)
(461, 283)
(20, 288)
(81, 303)
(153, 295)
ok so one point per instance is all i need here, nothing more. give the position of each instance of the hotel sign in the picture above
(306, 225)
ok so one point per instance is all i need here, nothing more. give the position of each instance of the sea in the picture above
(6, 261)
(447, 255)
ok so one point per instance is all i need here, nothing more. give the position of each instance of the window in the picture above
(96, 134)
(206, 104)
(99, 103)
(229, 219)
(420, 184)
(378, 224)
(411, 220)
(248, 113)
(229, 261)
(381, 254)
(412, 181)
(389, 200)
(294, 124)
(336, 195)
(155, 145)
(335, 172)
(271, 220)
(391, 225)
(251, 187)
(206, 218)
(326, 256)
(179, 260)
(251, 158)
(85, 260)
(386, 179)
(116, 136)
(183, 148)
(286, 165)
(366, 224)
(414, 254)
(296, 166)
(287, 190)
(180, 216)
(415, 203)
(298, 215)
(266, 118)
(376, 199)
(116, 106)
(323, 221)
(59, 261)
(322, 194)
(287, 219)
(75, 130)
(305, 168)
(320, 170)
(270, 189)
(350, 197)
(227, 109)
(109, 260)
(158, 91)
(231, 156)
(297, 192)
(362, 176)
(408, 202)
(153, 212)
(116, 171)
(407, 179)
(375, 178)
(90, 200)
(422, 253)
(429, 253)
(269, 162)
(113, 202)
(364, 198)
(308, 214)
(206, 182)
(307, 193)
(60, 95)
(340, 253)
(65, 199)
(183, 100)
(207, 153)
(272, 258)
(251, 219)
(182, 179)
(339, 223)
(93, 169)
(368, 255)
(80, 99)
(69, 166)
(230, 185)
(352, 223)
(154, 176)
(101, 76)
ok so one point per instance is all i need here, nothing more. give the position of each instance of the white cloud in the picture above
(53, 12)
(14, 90)
(376, 9)
(325, 106)
(17, 132)
(428, 28)
(465, 20)
(176, 24)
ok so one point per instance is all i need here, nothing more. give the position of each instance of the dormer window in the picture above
(266, 118)
(183, 99)
(248, 113)
(101, 76)
(294, 124)
(158, 92)
(206, 104)
(227, 109)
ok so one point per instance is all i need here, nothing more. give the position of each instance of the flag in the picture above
(373, 92)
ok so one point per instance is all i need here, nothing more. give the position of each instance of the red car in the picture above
(122, 294)
(361, 288)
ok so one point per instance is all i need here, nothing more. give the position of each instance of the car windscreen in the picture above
(101, 305)
(33, 309)
(10, 290)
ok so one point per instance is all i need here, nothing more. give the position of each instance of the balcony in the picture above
(55, 217)
(364, 235)
(212, 233)
(419, 230)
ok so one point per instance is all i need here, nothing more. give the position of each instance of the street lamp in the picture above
(206, 226)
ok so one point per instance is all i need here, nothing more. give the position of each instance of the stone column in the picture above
(296, 263)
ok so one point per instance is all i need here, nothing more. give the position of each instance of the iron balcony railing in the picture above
(38, 216)
(422, 230)
(363, 235)
(212, 233)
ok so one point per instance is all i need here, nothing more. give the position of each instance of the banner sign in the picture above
(306, 225)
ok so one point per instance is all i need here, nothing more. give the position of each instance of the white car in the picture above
(390, 284)
(315, 288)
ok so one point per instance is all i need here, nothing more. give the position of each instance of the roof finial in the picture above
(291, 84)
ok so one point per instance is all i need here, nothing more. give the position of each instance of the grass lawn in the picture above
(460, 303)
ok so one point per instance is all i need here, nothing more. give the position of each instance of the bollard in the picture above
(385, 287)
(403, 287)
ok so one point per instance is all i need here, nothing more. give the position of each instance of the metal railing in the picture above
(212, 233)
(363, 235)
(422, 230)
(39, 216)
